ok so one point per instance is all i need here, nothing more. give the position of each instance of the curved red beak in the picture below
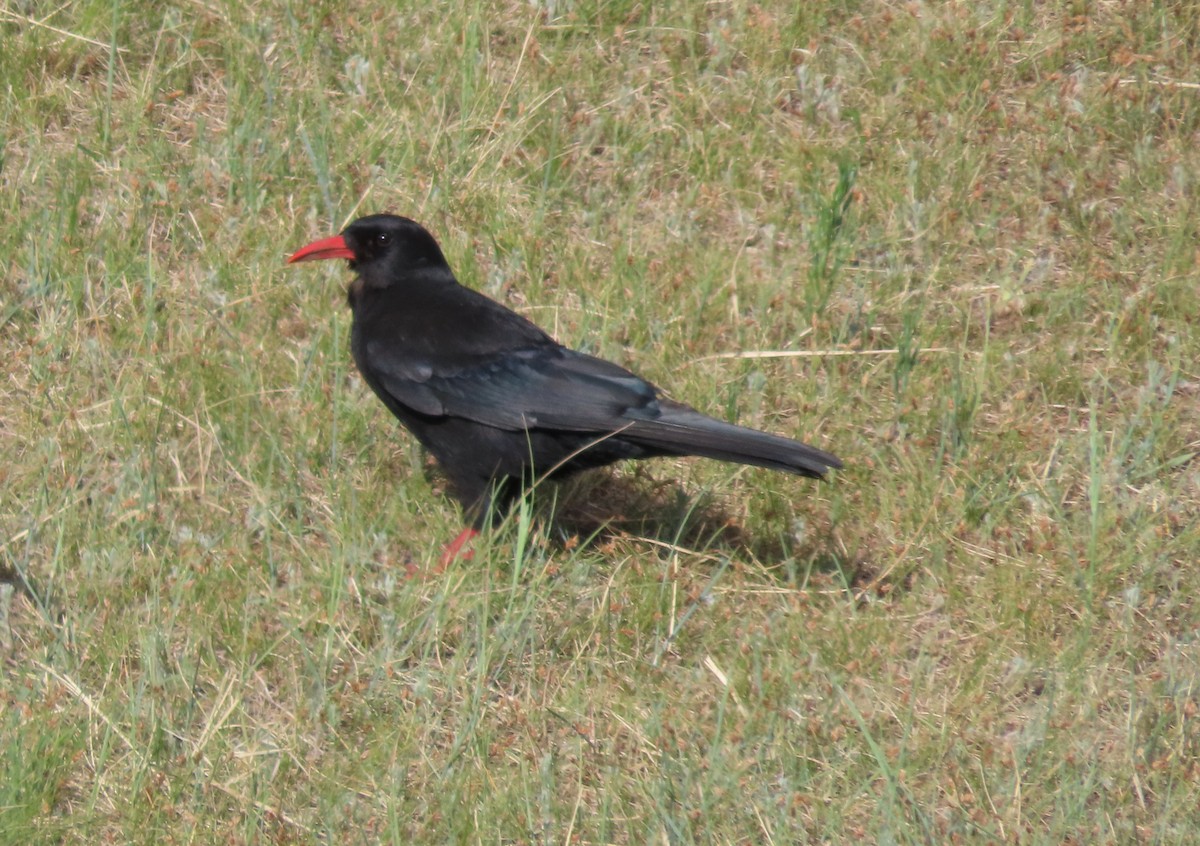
(327, 248)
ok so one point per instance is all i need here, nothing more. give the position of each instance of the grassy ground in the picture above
(969, 228)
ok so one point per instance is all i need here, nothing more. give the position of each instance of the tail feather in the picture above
(681, 430)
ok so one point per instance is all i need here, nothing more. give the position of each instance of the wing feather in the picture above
(542, 386)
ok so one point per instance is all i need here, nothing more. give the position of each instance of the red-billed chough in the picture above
(499, 402)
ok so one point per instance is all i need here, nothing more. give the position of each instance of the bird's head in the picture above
(383, 248)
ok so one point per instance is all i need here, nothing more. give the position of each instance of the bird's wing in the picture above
(545, 385)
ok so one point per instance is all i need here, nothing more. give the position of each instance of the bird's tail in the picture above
(681, 430)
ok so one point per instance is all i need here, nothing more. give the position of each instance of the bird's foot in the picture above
(455, 549)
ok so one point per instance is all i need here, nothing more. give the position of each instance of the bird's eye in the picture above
(382, 239)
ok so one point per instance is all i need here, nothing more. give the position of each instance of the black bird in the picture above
(497, 401)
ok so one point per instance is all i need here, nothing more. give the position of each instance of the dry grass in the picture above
(954, 243)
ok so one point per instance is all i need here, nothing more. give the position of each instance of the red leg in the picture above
(454, 549)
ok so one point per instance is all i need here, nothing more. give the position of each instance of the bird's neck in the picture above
(413, 285)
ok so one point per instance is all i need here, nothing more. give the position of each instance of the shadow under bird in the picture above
(497, 401)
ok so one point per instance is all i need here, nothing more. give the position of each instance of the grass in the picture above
(968, 235)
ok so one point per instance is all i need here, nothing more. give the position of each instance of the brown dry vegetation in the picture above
(966, 233)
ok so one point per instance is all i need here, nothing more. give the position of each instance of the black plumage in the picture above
(496, 400)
